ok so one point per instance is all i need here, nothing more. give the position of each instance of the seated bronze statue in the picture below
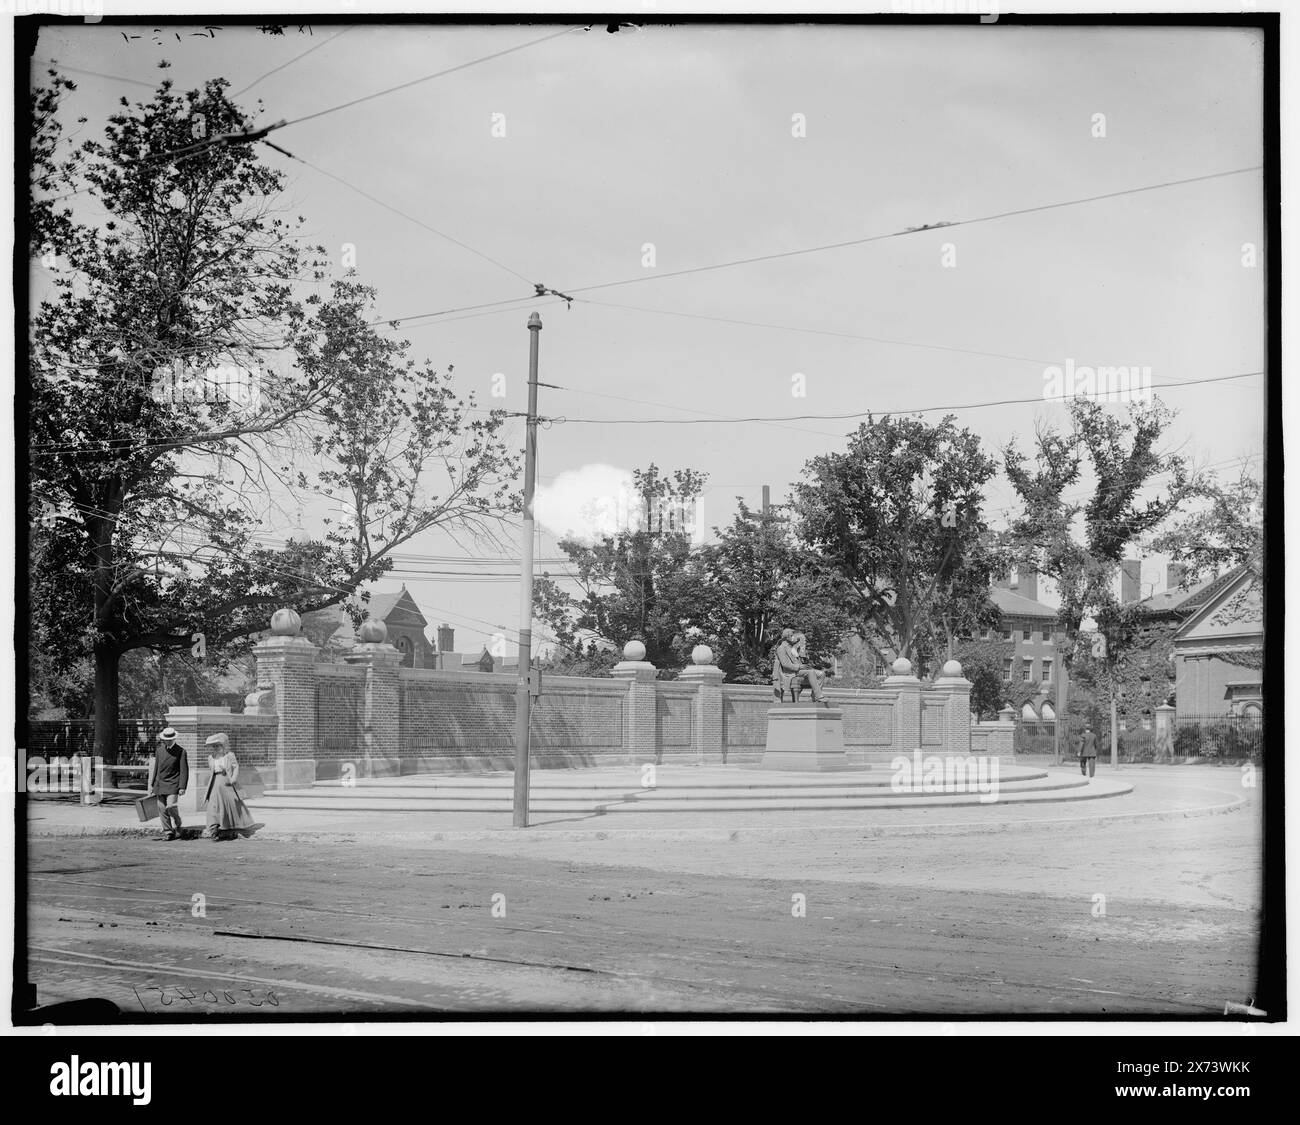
(789, 672)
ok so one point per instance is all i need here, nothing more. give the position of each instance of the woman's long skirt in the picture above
(226, 809)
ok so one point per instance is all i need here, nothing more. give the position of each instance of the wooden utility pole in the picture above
(523, 685)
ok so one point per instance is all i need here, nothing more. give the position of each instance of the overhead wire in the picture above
(877, 412)
(426, 78)
(409, 217)
(290, 62)
(924, 229)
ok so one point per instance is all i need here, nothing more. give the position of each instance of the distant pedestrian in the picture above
(227, 813)
(1088, 754)
(169, 777)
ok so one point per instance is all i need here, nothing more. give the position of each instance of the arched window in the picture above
(1028, 713)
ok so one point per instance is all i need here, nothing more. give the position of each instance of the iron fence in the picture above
(1237, 738)
(1219, 738)
(62, 738)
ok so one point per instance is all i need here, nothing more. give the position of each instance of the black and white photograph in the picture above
(648, 517)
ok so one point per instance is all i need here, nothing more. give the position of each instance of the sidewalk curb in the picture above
(539, 835)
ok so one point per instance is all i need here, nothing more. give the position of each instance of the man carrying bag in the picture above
(169, 777)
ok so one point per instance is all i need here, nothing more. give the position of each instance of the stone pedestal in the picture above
(806, 738)
(640, 739)
(707, 735)
(380, 731)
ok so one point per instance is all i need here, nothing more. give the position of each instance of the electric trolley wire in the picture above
(654, 276)
(92, 73)
(878, 412)
(285, 65)
(410, 218)
(813, 331)
(260, 134)
(427, 78)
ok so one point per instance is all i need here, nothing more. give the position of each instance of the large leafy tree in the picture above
(899, 516)
(1080, 541)
(632, 579)
(149, 480)
(755, 581)
(1225, 531)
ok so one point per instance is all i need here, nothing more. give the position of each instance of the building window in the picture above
(1026, 670)
(1146, 722)
(1026, 634)
(1006, 634)
(1006, 669)
(1047, 636)
(1047, 671)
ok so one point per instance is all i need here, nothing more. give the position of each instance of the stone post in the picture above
(287, 661)
(380, 733)
(1165, 732)
(907, 707)
(708, 678)
(639, 721)
(956, 718)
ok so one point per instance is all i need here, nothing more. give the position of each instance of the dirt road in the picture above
(1148, 917)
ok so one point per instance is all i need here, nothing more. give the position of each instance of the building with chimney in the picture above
(332, 631)
(1030, 653)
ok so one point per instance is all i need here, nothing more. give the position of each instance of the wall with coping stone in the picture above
(372, 717)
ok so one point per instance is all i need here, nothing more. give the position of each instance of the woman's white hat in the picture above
(217, 740)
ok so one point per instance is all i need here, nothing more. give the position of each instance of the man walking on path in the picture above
(1088, 754)
(169, 777)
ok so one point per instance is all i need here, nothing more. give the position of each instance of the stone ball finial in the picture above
(373, 632)
(901, 667)
(702, 654)
(285, 623)
(952, 668)
(634, 650)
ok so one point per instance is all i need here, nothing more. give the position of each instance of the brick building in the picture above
(1218, 649)
(331, 628)
(1028, 626)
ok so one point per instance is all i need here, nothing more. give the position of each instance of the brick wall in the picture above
(744, 721)
(466, 720)
(675, 720)
(933, 712)
(252, 741)
(339, 702)
(389, 719)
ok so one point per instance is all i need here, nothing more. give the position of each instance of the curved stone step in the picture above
(790, 798)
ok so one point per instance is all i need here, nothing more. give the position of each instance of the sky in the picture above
(687, 138)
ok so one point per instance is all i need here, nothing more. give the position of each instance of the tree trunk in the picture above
(105, 703)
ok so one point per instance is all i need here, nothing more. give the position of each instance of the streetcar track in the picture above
(854, 967)
(827, 967)
(206, 974)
